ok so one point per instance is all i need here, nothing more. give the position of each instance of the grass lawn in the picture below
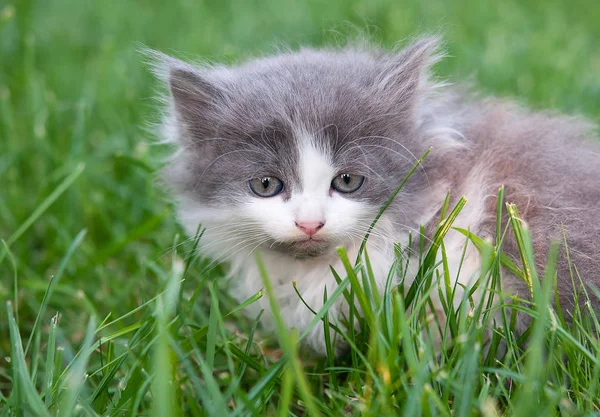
(99, 316)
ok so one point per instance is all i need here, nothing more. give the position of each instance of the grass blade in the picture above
(62, 187)
(24, 395)
(52, 285)
(288, 344)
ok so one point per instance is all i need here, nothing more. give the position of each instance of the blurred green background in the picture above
(73, 91)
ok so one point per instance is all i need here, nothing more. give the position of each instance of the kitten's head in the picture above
(297, 152)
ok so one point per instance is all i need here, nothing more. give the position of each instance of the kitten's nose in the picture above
(310, 228)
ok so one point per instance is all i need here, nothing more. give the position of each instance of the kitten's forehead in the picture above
(315, 165)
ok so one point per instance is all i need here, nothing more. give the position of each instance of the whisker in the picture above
(370, 119)
(397, 153)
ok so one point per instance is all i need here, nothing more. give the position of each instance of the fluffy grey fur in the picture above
(374, 111)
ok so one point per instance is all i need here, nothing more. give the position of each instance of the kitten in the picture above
(294, 155)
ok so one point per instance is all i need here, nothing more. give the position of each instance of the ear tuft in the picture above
(422, 53)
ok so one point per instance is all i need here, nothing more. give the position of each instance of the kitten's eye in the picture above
(347, 183)
(266, 186)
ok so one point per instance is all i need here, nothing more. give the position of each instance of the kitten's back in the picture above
(550, 167)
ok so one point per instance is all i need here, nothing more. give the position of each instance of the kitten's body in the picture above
(308, 117)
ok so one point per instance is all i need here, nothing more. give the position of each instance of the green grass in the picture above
(100, 317)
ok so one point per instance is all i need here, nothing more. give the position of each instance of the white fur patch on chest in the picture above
(311, 278)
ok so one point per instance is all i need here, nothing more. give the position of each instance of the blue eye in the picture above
(266, 186)
(347, 183)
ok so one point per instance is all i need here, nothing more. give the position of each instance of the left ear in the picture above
(410, 94)
(405, 74)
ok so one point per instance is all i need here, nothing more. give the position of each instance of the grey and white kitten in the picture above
(294, 155)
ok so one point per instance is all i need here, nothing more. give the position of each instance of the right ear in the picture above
(196, 97)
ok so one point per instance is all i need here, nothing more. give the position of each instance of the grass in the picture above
(100, 317)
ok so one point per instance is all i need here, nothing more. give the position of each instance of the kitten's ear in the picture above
(195, 96)
(192, 92)
(406, 73)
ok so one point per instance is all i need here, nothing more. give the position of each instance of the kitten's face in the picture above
(294, 153)
(312, 210)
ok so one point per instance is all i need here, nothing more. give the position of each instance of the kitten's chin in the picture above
(302, 249)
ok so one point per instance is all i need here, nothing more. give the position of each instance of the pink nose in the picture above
(310, 228)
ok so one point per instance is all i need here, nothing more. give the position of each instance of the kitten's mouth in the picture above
(306, 248)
